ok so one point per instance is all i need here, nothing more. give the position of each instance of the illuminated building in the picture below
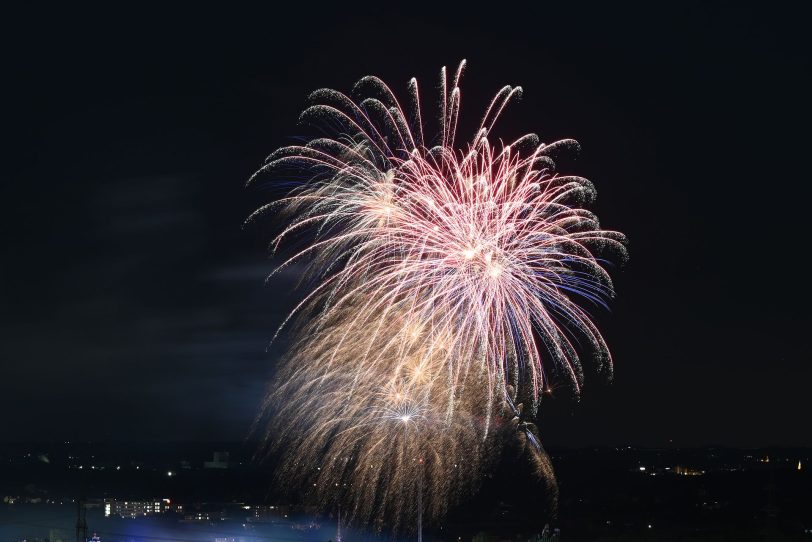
(688, 471)
(135, 509)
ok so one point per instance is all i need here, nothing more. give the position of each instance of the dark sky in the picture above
(132, 302)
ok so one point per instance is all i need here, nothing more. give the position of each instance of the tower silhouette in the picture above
(81, 520)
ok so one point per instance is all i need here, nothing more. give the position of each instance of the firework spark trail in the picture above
(489, 237)
(483, 252)
(362, 430)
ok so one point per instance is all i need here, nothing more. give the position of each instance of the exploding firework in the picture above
(448, 282)
(490, 238)
(362, 418)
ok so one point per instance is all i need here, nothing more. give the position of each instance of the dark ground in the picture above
(603, 493)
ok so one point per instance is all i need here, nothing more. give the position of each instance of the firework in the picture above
(363, 418)
(490, 238)
(447, 283)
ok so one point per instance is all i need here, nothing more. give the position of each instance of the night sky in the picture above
(132, 300)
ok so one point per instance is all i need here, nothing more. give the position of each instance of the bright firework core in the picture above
(450, 284)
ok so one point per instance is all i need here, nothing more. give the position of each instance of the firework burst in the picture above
(448, 281)
(489, 240)
(373, 431)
